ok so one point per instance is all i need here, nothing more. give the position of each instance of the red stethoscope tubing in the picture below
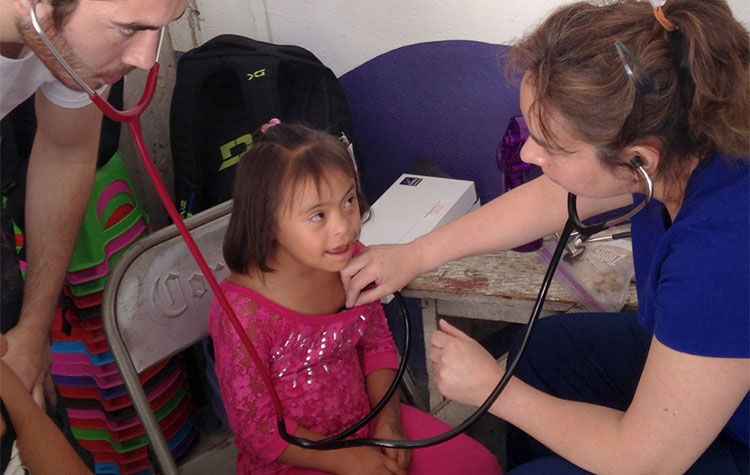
(132, 118)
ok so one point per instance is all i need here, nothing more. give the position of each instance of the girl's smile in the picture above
(342, 251)
(319, 225)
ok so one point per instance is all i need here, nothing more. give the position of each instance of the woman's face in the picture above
(575, 167)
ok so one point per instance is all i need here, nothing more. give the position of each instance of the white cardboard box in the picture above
(415, 205)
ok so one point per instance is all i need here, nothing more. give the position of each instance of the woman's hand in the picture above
(464, 371)
(379, 271)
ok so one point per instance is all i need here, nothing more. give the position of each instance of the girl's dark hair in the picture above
(701, 97)
(279, 159)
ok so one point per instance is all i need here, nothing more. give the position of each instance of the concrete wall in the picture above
(342, 33)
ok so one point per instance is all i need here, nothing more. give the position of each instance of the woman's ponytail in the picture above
(712, 52)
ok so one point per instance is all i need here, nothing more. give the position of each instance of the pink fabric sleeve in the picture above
(376, 348)
(249, 407)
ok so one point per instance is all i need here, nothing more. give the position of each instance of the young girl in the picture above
(294, 226)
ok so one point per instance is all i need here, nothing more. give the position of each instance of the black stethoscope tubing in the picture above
(573, 224)
(335, 442)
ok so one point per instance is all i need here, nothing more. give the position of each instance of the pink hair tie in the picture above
(271, 123)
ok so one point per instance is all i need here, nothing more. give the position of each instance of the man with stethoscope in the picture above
(102, 41)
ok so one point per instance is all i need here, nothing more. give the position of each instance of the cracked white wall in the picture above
(342, 33)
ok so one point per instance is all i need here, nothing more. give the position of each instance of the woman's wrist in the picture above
(421, 252)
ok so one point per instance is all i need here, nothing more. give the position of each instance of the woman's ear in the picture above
(649, 151)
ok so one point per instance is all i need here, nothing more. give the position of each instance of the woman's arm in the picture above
(680, 406)
(533, 210)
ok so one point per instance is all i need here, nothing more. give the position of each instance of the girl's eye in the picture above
(316, 217)
(351, 200)
(127, 31)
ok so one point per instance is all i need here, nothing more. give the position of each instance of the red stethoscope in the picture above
(132, 118)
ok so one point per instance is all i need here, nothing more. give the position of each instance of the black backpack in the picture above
(226, 89)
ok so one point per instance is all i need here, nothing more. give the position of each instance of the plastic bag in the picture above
(599, 277)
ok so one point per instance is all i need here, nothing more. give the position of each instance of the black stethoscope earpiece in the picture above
(590, 230)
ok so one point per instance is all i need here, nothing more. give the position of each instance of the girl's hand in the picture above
(464, 371)
(389, 430)
(348, 461)
(379, 271)
(370, 461)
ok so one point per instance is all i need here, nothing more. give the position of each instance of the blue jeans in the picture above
(594, 358)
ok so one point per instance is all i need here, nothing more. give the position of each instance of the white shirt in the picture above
(15, 465)
(20, 78)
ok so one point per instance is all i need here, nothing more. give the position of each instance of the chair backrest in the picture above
(155, 304)
(156, 297)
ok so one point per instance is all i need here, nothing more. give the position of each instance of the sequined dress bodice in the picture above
(317, 363)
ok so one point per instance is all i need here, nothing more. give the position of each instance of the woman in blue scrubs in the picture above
(664, 390)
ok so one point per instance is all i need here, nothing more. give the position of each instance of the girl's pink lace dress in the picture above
(318, 365)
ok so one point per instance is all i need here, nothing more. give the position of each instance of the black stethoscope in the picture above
(573, 224)
(574, 228)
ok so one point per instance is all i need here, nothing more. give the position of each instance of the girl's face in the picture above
(576, 168)
(318, 226)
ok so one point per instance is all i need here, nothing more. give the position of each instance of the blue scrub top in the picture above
(693, 279)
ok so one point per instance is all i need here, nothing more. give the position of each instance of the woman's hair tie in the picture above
(269, 124)
(663, 20)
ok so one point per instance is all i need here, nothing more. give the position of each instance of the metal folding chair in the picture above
(156, 303)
